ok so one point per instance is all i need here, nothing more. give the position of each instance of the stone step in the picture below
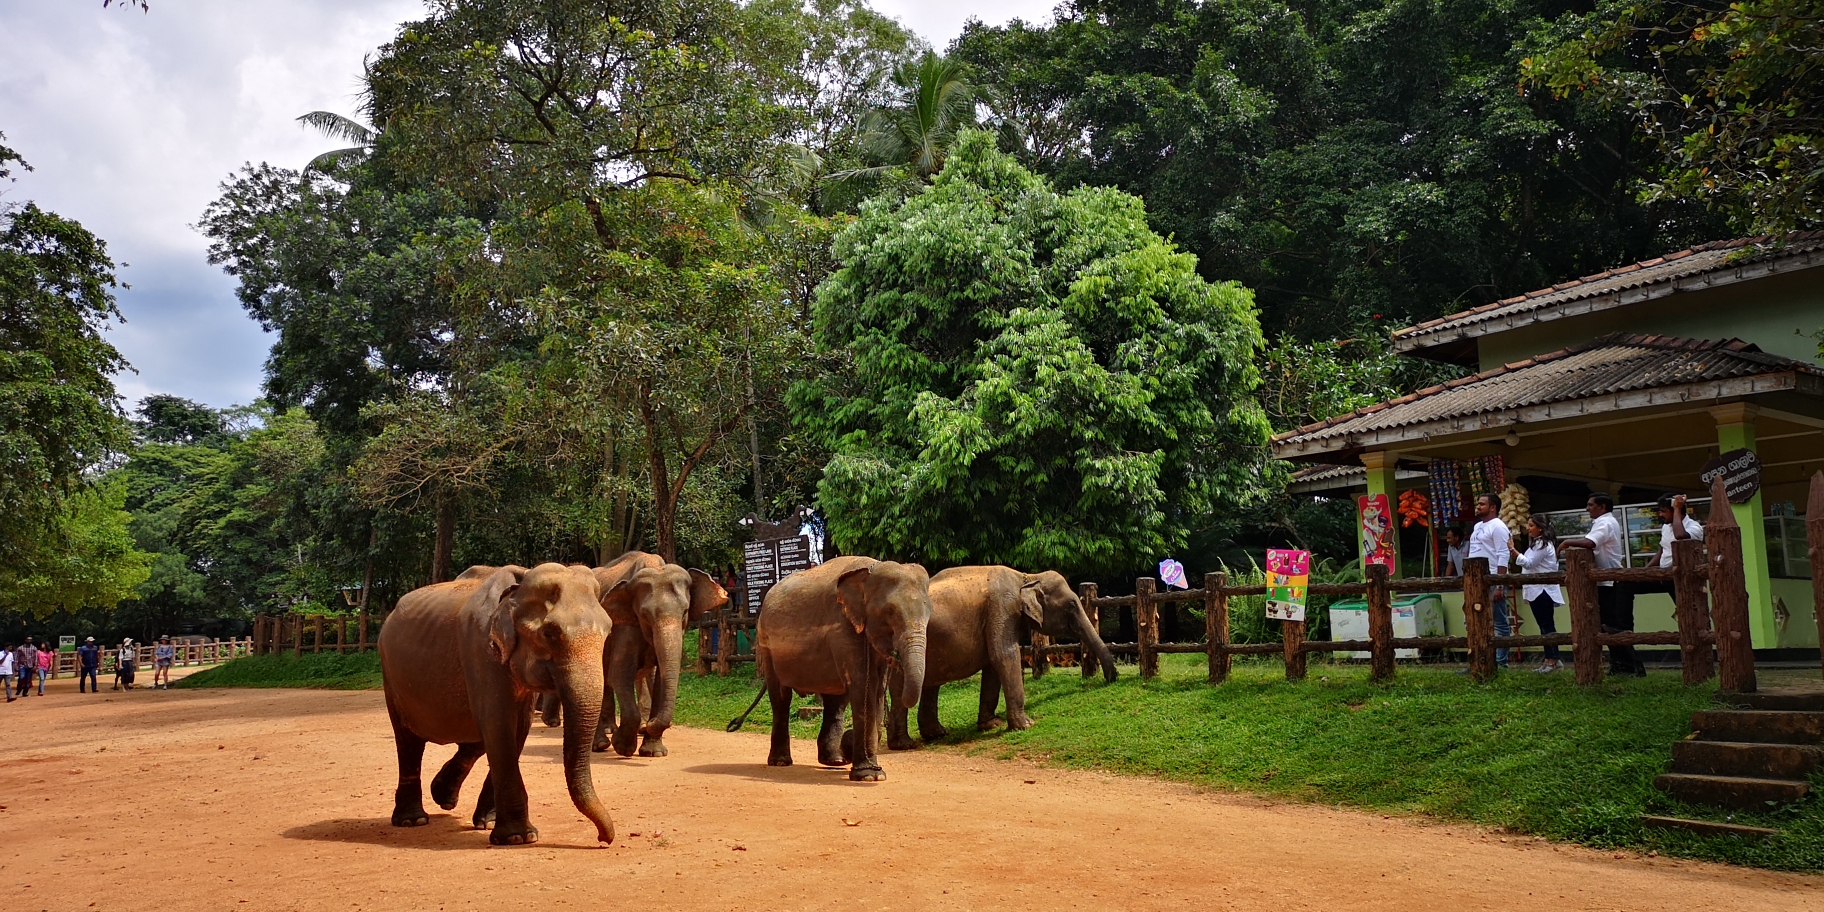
(1707, 827)
(1765, 726)
(1743, 758)
(1807, 698)
(1740, 792)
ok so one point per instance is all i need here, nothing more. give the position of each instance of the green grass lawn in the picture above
(1528, 753)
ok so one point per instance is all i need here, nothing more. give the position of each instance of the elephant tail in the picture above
(734, 725)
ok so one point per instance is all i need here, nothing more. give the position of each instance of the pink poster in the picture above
(1376, 524)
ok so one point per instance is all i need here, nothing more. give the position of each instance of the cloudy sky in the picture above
(132, 120)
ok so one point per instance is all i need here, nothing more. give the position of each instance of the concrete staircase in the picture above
(1755, 756)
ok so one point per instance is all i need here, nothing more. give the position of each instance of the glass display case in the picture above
(1786, 551)
(1786, 548)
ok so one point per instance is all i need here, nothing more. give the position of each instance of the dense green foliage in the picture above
(1034, 378)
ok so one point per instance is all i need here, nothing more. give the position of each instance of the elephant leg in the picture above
(603, 728)
(408, 798)
(830, 748)
(552, 709)
(484, 806)
(448, 782)
(991, 699)
(779, 698)
(899, 732)
(623, 667)
(652, 732)
(928, 727)
(867, 703)
(504, 731)
(1013, 683)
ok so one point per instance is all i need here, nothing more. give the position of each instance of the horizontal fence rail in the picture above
(192, 652)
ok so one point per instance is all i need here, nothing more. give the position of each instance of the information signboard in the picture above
(768, 562)
(1740, 471)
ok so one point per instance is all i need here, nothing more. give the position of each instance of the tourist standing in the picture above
(1605, 543)
(126, 662)
(1490, 539)
(88, 665)
(162, 656)
(25, 665)
(45, 659)
(6, 671)
(1541, 556)
(1454, 551)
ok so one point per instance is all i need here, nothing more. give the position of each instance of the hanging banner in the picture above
(1376, 526)
(1171, 573)
(1288, 579)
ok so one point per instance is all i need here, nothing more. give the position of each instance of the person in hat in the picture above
(88, 667)
(125, 664)
(162, 656)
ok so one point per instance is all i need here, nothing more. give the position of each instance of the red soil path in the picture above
(248, 799)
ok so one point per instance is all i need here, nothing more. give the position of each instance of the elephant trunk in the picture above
(1093, 645)
(669, 640)
(911, 649)
(580, 690)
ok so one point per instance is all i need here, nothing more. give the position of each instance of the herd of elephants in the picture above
(467, 662)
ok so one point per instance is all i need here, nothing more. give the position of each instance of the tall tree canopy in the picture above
(1035, 378)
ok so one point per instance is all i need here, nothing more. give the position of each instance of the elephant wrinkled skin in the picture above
(464, 661)
(650, 603)
(977, 616)
(834, 630)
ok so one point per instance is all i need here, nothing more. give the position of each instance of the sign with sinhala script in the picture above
(1740, 471)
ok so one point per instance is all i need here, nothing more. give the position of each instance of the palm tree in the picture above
(932, 101)
(335, 126)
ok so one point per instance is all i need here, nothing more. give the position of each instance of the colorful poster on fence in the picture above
(1288, 578)
(1376, 525)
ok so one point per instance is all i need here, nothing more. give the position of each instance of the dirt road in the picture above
(250, 799)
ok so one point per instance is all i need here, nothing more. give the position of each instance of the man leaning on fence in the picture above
(88, 670)
(1490, 539)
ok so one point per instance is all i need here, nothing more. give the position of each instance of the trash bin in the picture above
(1416, 615)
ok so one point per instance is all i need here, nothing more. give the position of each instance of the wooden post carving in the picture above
(1380, 623)
(1086, 593)
(1814, 539)
(1146, 623)
(1729, 594)
(1216, 625)
(1478, 619)
(1688, 571)
(1586, 616)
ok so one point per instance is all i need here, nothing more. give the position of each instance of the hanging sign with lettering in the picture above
(1740, 471)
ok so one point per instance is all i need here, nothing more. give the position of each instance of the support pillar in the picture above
(1381, 467)
(1735, 431)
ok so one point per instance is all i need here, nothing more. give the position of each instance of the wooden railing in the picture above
(301, 633)
(187, 653)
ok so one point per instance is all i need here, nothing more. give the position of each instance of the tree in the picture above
(912, 133)
(1730, 94)
(85, 559)
(1035, 378)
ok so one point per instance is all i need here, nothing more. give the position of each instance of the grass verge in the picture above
(324, 670)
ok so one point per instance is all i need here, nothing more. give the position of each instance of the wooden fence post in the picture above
(1586, 616)
(1478, 619)
(341, 634)
(1216, 625)
(1292, 634)
(361, 638)
(297, 635)
(1729, 594)
(1380, 624)
(1695, 655)
(316, 641)
(1039, 662)
(1814, 540)
(725, 640)
(259, 631)
(1146, 624)
(702, 666)
(1086, 593)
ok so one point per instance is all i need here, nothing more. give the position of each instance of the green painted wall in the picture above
(1779, 314)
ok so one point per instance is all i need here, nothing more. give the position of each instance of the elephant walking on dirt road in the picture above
(463, 663)
(977, 615)
(650, 603)
(834, 630)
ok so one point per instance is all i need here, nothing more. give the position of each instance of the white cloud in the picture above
(132, 121)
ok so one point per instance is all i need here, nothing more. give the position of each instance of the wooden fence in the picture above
(301, 633)
(188, 653)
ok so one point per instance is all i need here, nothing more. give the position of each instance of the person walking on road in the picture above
(6, 671)
(1605, 542)
(162, 656)
(88, 667)
(1490, 539)
(25, 665)
(1541, 556)
(126, 662)
(45, 658)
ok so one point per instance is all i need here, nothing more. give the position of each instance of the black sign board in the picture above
(1740, 471)
(768, 562)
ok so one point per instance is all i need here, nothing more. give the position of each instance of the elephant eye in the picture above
(552, 632)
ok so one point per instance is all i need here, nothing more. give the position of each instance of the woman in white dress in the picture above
(1541, 556)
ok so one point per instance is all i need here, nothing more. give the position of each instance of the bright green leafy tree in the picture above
(1035, 378)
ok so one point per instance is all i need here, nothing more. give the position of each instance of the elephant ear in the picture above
(1032, 606)
(503, 634)
(618, 602)
(852, 595)
(706, 594)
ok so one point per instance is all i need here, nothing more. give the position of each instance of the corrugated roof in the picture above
(1716, 257)
(1605, 367)
(1319, 478)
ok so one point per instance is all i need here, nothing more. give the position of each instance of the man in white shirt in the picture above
(1605, 540)
(6, 671)
(1491, 539)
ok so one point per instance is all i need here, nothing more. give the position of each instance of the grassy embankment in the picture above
(1529, 753)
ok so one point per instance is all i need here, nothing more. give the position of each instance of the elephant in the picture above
(463, 662)
(834, 630)
(977, 615)
(650, 603)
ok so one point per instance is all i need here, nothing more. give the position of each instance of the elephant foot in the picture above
(936, 733)
(901, 742)
(653, 748)
(848, 747)
(830, 758)
(445, 791)
(987, 724)
(867, 772)
(1019, 723)
(410, 817)
(513, 834)
(779, 760)
(600, 746)
(483, 820)
(625, 745)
